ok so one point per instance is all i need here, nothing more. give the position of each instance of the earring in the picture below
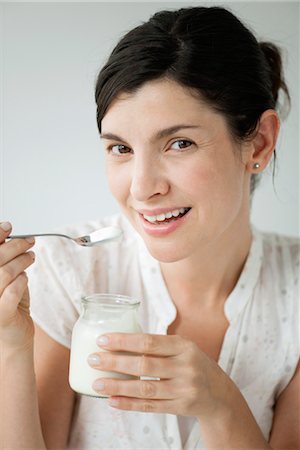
(256, 166)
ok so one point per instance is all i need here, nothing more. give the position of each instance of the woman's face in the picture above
(174, 169)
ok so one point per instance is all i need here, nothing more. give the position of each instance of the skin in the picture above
(154, 174)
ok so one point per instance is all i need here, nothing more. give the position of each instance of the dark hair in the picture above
(204, 48)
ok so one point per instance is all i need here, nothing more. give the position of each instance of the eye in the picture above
(181, 144)
(118, 149)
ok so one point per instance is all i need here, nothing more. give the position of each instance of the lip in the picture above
(164, 228)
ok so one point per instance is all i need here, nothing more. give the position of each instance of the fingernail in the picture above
(32, 254)
(31, 240)
(98, 385)
(102, 340)
(5, 226)
(94, 360)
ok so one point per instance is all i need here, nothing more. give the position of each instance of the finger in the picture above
(137, 365)
(11, 270)
(5, 229)
(11, 298)
(14, 248)
(146, 389)
(149, 344)
(137, 404)
(25, 301)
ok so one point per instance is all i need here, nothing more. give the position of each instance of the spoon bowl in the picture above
(93, 239)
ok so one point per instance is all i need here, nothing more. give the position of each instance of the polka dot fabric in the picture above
(260, 350)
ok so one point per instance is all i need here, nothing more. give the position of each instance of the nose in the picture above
(148, 178)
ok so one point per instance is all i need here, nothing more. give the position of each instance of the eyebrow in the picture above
(159, 135)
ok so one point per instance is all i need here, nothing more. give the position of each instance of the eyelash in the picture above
(110, 148)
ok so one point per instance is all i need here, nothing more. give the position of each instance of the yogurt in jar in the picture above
(101, 314)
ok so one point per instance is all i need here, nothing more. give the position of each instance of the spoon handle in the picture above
(23, 236)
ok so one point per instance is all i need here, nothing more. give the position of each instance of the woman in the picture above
(186, 111)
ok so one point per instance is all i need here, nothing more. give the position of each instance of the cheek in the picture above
(198, 181)
(118, 182)
(214, 187)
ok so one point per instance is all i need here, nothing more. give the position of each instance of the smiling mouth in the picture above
(170, 216)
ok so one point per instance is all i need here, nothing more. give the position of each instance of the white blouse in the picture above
(260, 350)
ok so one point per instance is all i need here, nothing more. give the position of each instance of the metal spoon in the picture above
(95, 238)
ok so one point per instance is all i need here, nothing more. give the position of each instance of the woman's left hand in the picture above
(190, 383)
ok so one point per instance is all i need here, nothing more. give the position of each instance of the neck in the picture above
(213, 270)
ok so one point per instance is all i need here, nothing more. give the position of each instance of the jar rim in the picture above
(111, 300)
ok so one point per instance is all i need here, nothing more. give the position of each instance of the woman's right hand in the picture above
(16, 325)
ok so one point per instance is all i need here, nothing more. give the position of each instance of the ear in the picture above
(263, 143)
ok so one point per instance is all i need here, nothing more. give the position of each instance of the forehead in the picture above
(157, 99)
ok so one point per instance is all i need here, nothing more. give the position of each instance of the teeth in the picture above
(167, 215)
(150, 218)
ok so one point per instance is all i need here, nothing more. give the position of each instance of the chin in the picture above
(166, 252)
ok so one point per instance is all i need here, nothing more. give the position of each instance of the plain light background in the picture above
(52, 168)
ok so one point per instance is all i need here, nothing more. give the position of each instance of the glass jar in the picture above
(101, 313)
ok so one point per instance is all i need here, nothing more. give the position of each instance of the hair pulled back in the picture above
(207, 49)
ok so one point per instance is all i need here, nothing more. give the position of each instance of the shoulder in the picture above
(279, 274)
(277, 240)
(281, 252)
